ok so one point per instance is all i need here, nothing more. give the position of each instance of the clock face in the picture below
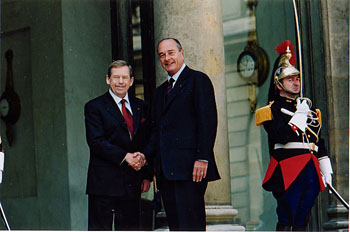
(4, 107)
(246, 66)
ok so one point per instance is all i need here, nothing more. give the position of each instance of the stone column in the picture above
(199, 29)
(335, 19)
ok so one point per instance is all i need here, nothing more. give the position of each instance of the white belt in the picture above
(297, 145)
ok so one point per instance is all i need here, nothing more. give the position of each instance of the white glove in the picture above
(300, 116)
(326, 170)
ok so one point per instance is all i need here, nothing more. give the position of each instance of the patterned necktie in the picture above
(170, 85)
(128, 118)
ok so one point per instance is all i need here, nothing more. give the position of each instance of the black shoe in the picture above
(299, 228)
(280, 227)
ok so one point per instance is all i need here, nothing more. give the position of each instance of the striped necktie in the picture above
(128, 118)
(170, 85)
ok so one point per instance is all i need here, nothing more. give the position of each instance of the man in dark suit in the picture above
(115, 131)
(185, 119)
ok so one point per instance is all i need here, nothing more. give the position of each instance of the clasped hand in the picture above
(299, 119)
(136, 160)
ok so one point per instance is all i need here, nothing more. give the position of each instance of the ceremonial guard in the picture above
(2, 159)
(299, 167)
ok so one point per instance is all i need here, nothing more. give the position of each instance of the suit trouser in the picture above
(294, 205)
(124, 210)
(184, 204)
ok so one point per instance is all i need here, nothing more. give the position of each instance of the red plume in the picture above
(281, 49)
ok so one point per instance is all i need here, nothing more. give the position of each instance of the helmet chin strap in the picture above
(285, 90)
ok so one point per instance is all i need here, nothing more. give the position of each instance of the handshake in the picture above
(136, 160)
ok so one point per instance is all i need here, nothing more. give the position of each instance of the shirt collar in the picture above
(176, 75)
(118, 99)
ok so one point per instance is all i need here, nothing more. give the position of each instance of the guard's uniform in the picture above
(293, 174)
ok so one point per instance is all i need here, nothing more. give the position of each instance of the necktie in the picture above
(170, 85)
(128, 118)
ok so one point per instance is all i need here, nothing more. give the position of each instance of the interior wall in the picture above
(33, 30)
(62, 52)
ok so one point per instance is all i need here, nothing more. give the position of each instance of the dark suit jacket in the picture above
(185, 126)
(109, 141)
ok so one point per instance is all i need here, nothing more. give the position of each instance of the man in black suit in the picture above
(115, 131)
(185, 119)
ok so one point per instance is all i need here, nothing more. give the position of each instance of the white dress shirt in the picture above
(118, 101)
(176, 75)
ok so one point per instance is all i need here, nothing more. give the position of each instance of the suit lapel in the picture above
(113, 109)
(136, 113)
(179, 84)
(163, 93)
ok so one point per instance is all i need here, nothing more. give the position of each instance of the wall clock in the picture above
(253, 63)
(246, 65)
(10, 104)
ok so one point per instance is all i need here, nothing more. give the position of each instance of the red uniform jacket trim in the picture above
(270, 169)
(317, 166)
(292, 167)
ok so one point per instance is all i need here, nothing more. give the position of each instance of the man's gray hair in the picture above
(178, 44)
(118, 64)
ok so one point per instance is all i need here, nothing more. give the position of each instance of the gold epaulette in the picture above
(263, 114)
(319, 117)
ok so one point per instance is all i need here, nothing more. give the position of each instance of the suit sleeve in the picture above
(96, 139)
(206, 114)
(151, 145)
(147, 170)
